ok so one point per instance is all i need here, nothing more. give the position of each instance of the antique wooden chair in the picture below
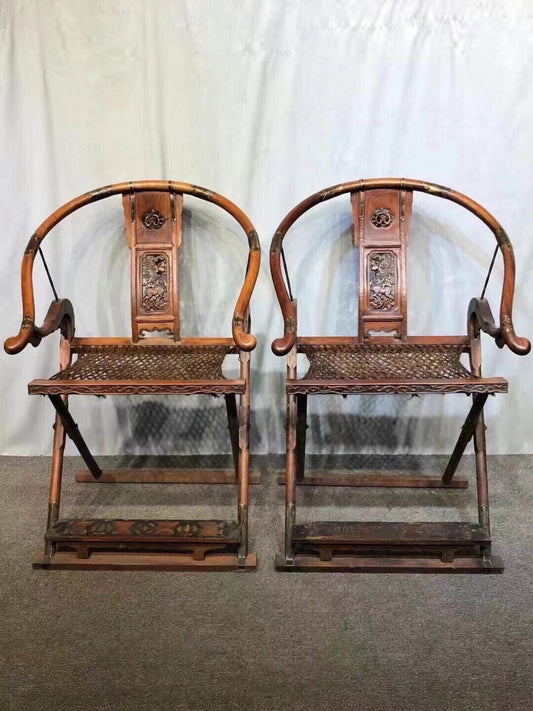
(164, 363)
(384, 359)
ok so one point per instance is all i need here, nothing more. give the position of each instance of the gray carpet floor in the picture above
(265, 640)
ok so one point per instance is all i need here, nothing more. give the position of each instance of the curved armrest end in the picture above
(520, 346)
(16, 344)
(281, 346)
(244, 341)
(60, 315)
(240, 329)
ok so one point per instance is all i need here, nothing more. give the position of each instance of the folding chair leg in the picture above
(71, 428)
(291, 460)
(301, 432)
(467, 431)
(290, 480)
(58, 451)
(233, 427)
(480, 447)
(244, 458)
(56, 476)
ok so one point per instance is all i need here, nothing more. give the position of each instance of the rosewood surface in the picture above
(168, 476)
(384, 359)
(156, 359)
(169, 562)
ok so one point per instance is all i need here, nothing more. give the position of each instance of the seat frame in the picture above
(145, 544)
(378, 546)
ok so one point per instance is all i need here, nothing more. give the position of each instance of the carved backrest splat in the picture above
(153, 229)
(381, 230)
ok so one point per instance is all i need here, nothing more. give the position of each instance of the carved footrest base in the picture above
(381, 546)
(86, 536)
(105, 560)
(377, 564)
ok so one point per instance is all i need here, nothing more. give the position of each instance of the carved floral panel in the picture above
(382, 281)
(154, 293)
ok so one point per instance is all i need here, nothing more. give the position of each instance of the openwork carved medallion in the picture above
(382, 284)
(153, 219)
(154, 282)
(91, 527)
(382, 217)
(100, 527)
(143, 527)
(187, 528)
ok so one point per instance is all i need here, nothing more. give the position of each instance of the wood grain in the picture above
(361, 564)
(165, 476)
(377, 479)
(103, 560)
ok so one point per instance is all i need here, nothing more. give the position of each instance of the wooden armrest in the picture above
(507, 337)
(60, 315)
(241, 333)
(241, 316)
(281, 346)
(504, 334)
(480, 309)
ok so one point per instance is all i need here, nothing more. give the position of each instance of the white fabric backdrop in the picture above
(265, 102)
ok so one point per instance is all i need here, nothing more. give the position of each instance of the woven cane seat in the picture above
(385, 361)
(142, 369)
(146, 363)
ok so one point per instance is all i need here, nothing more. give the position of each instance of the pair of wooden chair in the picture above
(381, 359)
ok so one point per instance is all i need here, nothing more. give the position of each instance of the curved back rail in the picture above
(504, 334)
(62, 309)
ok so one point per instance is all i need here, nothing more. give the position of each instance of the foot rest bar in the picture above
(364, 564)
(165, 476)
(65, 560)
(377, 480)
